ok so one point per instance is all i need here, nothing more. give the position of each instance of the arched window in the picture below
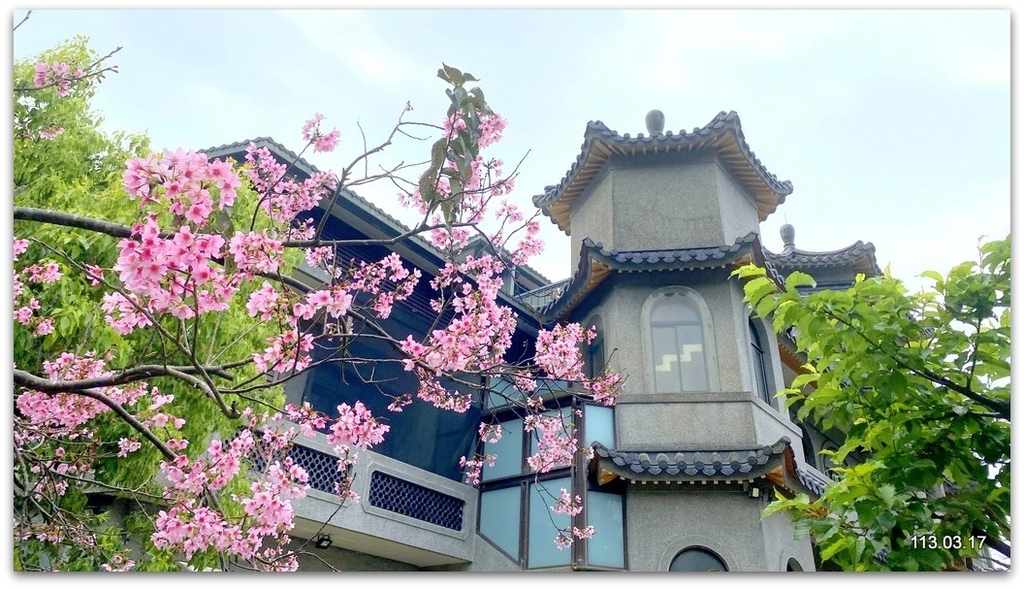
(677, 345)
(762, 362)
(697, 560)
(793, 566)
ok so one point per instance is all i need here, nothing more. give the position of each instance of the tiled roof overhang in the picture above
(858, 258)
(773, 465)
(596, 263)
(723, 135)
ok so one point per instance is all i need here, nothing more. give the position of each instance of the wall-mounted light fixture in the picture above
(754, 492)
(323, 542)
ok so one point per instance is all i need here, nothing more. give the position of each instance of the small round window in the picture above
(697, 560)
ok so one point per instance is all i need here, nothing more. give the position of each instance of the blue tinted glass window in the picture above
(606, 547)
(599, 425)
(544, 524)
(499, 518)
(509, 450)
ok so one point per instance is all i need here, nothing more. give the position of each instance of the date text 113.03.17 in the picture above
(933, 542)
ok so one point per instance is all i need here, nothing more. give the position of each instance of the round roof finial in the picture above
(788, 234)
(655, 122)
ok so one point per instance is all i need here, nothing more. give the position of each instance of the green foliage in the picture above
(461, 146)
(79, 172)
(919, 385)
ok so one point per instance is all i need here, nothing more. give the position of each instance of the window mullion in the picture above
(678, 332)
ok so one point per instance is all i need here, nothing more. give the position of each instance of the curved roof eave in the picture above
(596, 263)
(775, 463)
(723, 133)
(859, 257)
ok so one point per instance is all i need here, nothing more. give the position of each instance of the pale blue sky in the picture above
(893, 126)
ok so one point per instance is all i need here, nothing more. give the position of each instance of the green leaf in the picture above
(840, 543)
(887, 493)
(749, 271)
(798, 278)
(451, 74)
(934, 276)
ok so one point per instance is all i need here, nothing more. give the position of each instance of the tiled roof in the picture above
(596, 263)
(274, 146)
(640, 260)
(693, 463)
(774, 464)
(859, 256)
(723, 134)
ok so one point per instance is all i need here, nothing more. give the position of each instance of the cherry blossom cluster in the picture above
(488, 433)
(605, 388)
(54, 436)
(481, 330)
(569, 505)
(385, 282)
(177, 275)
(282, 197)
(322, 142)
(564, 538)
(557, 443)
(70, 412)
(356, 426)
(191, 526)
(374, 280)
(256, 252)
(477, 337)
(26, 305)
(58, 74)
(473, 467)
(492, 126)
(558, 351)
(184, 181)
(529, 245)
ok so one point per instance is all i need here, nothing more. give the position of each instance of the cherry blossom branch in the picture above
(88, 73)
(126, 376)
(76, 221)
(22, 21)
(347, 171)
(124, 231)
(48, 386)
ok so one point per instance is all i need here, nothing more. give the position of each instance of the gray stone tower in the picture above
(657, 224)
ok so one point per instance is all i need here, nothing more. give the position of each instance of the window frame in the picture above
(595, 358)
(763, 375)
(579, 484)
(696, 303)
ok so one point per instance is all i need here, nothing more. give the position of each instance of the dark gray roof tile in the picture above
(723, 134)
(729, 466)
(858, 257)
(593, 254)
